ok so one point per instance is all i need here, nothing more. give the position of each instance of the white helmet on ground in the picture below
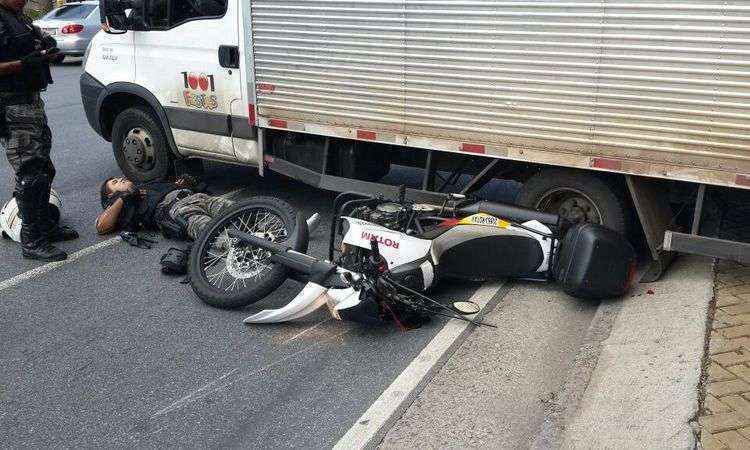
(10, 221)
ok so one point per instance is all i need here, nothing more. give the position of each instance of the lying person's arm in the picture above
(107, 221)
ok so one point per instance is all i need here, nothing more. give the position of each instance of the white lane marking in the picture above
(41, 270)
(217, 385)
(193, 395)
(306, 330)
(369, 429)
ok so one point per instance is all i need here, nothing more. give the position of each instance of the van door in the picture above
(188, 59)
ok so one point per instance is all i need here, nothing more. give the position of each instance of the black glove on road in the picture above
(139, 240)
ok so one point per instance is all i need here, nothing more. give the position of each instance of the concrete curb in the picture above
(368, 430)
(643, 392)
(578, 377)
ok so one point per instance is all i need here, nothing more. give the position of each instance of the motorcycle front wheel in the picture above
(227, 273)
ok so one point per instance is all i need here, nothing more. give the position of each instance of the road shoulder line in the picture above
(369, 429)
(41, 270)
(46, 268)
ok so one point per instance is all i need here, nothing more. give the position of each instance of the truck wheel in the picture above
(576, 196)
(140, 145)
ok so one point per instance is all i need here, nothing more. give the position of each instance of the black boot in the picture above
(59, 233)
(54, 231)
(34, 242)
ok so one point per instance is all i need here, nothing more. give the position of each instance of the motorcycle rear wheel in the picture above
(226, 273)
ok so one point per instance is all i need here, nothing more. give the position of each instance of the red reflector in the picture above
(449, 223)
(473, 148)
(251, 114)
(742, 180)
(72, 28)
(277, 123)
(268, 158)
(632, 272)
(266, 87)
(367, 135)
(609, 164)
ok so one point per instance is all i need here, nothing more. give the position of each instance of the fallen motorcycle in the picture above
(392, 251)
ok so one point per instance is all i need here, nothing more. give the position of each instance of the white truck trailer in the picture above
(599, 108)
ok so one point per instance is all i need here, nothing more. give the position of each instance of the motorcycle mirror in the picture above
(466, 308)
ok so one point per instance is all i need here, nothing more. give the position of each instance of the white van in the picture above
(595, 107)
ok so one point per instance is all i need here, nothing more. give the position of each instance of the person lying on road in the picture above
(174, 208)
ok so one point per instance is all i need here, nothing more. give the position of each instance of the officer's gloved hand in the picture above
(39, 58)
(55, 55)
(34, 60)
(48, 42)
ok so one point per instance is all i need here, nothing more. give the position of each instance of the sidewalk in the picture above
(629, 378)
(725, 416)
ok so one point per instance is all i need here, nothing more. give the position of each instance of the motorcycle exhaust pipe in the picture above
(511, 212)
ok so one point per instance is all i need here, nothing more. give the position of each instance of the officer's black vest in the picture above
(23, 39)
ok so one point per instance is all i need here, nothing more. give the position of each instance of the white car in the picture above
(72, 25)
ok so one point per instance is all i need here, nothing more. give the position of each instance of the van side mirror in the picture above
(119, 16)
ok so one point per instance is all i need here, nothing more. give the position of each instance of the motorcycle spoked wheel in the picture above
(227, 273)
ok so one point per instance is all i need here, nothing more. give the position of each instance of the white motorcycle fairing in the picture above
(306, 302)
(309, 300)
(397, 248)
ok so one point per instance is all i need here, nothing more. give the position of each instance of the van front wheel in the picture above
(140, 146)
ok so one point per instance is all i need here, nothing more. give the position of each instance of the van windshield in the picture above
(69, 12)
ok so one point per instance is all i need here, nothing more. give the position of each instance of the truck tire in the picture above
(577, 196)
(140, 145)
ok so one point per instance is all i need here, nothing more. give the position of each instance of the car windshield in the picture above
(69, 12)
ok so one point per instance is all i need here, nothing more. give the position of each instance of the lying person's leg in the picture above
(198, 210)
(216, 205)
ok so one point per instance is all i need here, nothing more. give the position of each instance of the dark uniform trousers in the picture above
(27, 138)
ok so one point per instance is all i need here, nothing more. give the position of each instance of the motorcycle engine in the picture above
(390, 215)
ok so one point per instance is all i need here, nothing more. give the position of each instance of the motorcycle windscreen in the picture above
(487, 253)
(306, 302)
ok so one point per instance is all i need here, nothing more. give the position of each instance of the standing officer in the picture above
(25, 55)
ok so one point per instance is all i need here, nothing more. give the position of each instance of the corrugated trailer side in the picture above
(654, 89)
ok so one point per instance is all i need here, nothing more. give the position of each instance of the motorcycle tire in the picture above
(248, 279)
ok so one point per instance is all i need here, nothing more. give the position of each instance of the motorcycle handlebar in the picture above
(317, 269)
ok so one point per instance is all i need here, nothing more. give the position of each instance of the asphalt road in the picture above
(106, 351)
